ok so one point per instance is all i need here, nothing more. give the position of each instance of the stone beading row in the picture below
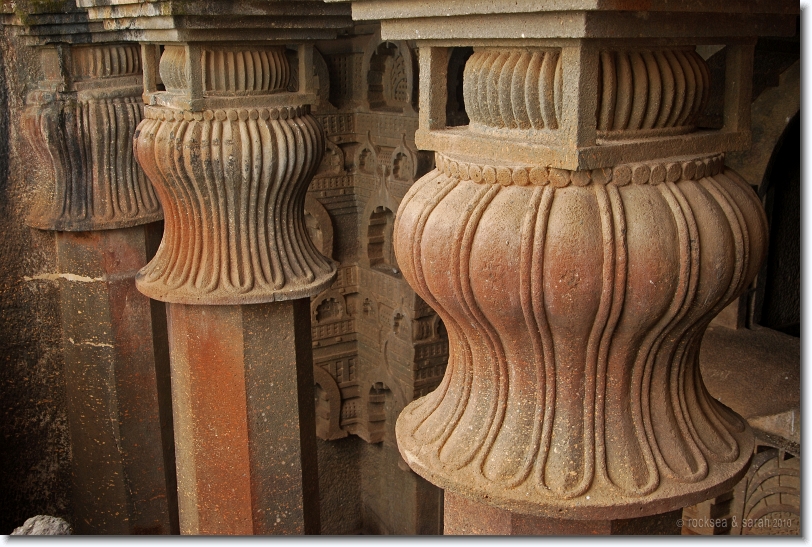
(231, 114)
(620, 175)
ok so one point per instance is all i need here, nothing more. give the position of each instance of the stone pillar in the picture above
(237, 268)
(230, 146)
(80, 119)
(576, 239)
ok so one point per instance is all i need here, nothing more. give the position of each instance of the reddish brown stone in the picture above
(244, 424)
(117, 372)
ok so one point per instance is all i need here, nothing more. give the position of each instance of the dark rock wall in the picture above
(782, 291)
(34, 440)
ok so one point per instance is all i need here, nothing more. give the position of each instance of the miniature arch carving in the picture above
(328, 406)
(319, 226)
(380, 250)
(389, 66)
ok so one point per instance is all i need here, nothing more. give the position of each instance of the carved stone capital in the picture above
(81, 121)
(232, 178)
(576, 238)
(575, 314)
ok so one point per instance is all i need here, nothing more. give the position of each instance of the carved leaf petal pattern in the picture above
(97, 184)
(574, 318)
(233, 186)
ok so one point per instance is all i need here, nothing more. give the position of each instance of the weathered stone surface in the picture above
(84, 130)
(376, 345)
(167, 21)
(43, 525)
(576, 249)
(80, 120)
(244, 431)
(35, 452)
(247, 242)
(118, 386)
(466, 517)
(544, 304)
(234, 231)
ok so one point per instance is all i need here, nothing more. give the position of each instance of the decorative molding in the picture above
(230, 114)
(652, 172)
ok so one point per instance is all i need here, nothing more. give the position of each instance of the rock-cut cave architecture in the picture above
(400, 267)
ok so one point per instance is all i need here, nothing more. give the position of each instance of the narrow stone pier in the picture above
(80, 119)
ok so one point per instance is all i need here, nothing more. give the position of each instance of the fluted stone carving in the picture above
(232, 181)
(514, 88)
(576, 238)
(229, 71)
(652, 90)
(84, 133)
(575, 315)
(660, 91)
(576, 300)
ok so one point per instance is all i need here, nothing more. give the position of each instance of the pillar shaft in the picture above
(467, 518)
(245, 438)
(236, 266)
(230, 146)
(117, 380)
(80, 120)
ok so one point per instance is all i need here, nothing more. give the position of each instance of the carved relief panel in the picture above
(377, 345)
